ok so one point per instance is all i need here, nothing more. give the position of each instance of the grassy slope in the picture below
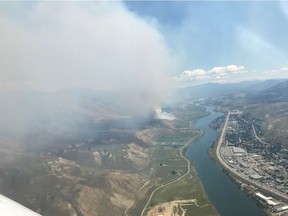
(167, 151)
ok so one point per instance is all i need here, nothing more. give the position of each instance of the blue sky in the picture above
(252, 34)
(112, 45)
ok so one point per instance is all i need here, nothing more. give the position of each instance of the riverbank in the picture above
(223, 193)
(174, 178)
(186, 186)
(243, 182)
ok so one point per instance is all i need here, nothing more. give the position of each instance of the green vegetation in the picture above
(188, 114)
(173, 139)
(186, 188)
(171, 160)
(169, 165)
(81, 177)
(166, 159)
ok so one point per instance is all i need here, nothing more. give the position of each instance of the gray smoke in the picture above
(51, 46)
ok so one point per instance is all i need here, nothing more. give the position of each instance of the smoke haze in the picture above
(58, 45)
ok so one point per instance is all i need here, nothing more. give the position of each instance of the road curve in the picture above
(173, 181)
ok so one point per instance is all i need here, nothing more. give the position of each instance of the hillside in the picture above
(269, 105)
(212, 90)
(71, 152)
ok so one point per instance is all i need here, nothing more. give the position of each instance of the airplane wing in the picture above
(9, 207)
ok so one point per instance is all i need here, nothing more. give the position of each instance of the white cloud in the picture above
(198, 74)
(274, 74)
(214, 74)
(227, 69)
(193, 73)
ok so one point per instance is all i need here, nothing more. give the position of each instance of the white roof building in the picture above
(282, 208)
(262, 197)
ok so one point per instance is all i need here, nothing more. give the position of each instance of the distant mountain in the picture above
(275, 94)
(211, 90)
(266, 101)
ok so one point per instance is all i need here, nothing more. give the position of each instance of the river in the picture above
(226, 197)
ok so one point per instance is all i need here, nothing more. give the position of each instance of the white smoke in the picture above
(159, 114)
(100, 45)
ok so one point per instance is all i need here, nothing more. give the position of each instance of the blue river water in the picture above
(226, 197)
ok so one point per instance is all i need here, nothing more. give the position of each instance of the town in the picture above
(260, 168)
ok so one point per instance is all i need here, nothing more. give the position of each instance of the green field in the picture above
(187, 188)
(168, 165)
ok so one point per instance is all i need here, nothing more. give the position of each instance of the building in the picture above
(281, 209)
(256, 177)
(267, 200)
(262, 197)
(238, 152)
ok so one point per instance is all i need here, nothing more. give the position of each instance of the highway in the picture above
(233, 171)
(221, 140)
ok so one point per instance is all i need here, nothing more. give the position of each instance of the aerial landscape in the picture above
(144, 108)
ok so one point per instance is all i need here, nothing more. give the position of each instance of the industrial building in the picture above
(267, 200)
(280, 209)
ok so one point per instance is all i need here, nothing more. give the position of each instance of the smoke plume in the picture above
(159, 114)
(50, 46)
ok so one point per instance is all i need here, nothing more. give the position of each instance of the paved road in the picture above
(225, 165)
(256, 136)
(173, 181)
(221, 140)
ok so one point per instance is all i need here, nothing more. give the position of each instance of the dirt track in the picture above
(173, 208)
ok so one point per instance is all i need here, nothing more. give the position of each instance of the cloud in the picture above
(214, 74)
(227, 69)
(281, 73)
(99, 45)
(193, 74)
